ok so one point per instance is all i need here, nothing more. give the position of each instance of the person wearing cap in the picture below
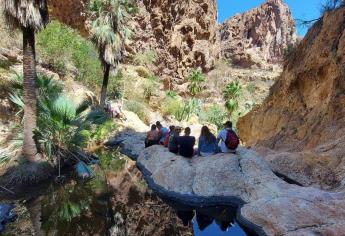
(186, 144)
(222, 137)
(173, 140)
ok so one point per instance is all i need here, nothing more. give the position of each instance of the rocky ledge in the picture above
(267, 204)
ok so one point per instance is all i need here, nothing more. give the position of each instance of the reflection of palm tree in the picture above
(35, 209)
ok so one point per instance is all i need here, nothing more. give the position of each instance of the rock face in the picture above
(72, 13)
(304, 114)
(182, 33)
(258, 36)
(268, 205)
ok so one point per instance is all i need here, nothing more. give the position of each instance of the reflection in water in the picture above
(220, 220)
(119, 203)
(77, 209)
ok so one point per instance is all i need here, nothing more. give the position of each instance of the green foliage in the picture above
(231, 95)
(109, 27)
(251, 88)
(214, 114)
(138, 108)
(189, 108)
(62, 124)
(116, 86)
(150, 87)
(111, 160)
(195, 79)
(171, 106)
(146, 58)
(62, 48)
(102, 131)
(171, 94)
(67, 207)
(179, 109)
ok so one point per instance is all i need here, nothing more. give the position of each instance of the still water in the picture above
(119, 203)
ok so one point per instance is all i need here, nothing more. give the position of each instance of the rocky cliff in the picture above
(182, 33)
(304, 114)
(258, 36)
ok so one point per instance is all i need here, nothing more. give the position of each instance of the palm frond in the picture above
(26, 13)
(17, 99)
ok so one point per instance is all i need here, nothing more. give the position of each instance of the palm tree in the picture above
(109, 32)
(29, 16)
(231, 94)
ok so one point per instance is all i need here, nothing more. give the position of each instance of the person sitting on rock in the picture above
(173, 140)
(186, 144)
(228, 139)
(163, 132)
(114, 108)
(207, 143)
(167, 137)
(152, 137)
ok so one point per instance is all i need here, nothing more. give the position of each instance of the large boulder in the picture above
(268, 204)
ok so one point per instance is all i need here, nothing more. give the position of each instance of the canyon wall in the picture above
(302, 121)
(258, 36)
(183, 34)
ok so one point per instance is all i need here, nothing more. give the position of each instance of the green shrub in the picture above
(102, 132)
(231, 95)
(62, 124)
(150, 87)
(251, 87)
(179, 109)
(195, 79)
(171, 94)
(145, 58)
(116, 86)
(138, 108)
(171, 106)
(215, 114)
(111, 160)
(62, 47)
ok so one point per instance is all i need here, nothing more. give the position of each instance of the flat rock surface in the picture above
(269, 205)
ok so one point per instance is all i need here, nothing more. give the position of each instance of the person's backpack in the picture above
(232, 141)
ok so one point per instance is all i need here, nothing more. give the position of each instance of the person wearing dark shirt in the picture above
(186, 144)
(173, 140)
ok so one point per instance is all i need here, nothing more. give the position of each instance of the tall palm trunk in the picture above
(106, 70)
(30, 92)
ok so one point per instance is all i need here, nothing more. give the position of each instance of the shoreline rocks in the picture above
(267, 204)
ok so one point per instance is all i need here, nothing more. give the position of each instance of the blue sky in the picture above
(301, 9)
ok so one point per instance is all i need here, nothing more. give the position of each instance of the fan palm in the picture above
(231, 94)
(109, 33)
(62, 124)
(196, 78)
(29, 16)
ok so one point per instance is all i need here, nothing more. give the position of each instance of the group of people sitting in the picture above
(226, 142)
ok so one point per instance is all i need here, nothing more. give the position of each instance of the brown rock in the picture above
(183, 34)
(303, 118)
(258, 36)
